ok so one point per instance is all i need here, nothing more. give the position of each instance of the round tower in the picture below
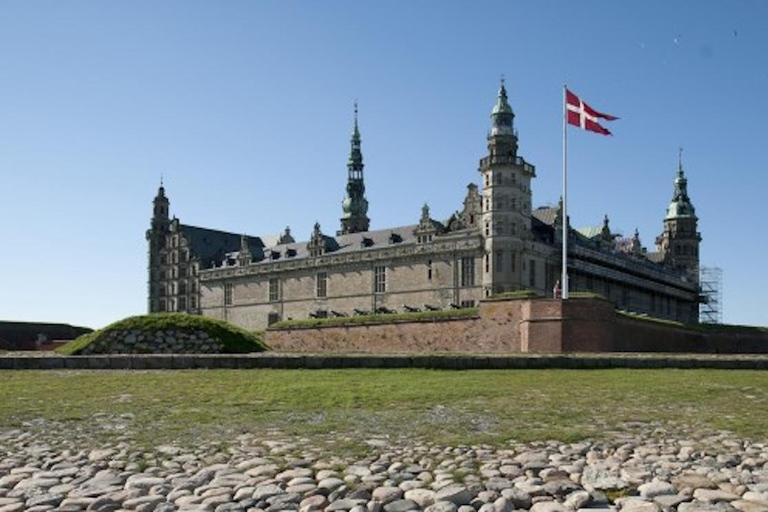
(505, 202)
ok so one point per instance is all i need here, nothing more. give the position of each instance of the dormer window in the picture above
(275, 255)
(290, 253)
(395, 238)
(366, 242)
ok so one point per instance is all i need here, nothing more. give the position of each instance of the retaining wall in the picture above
(585, 325)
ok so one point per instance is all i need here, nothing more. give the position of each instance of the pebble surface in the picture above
(273, 472)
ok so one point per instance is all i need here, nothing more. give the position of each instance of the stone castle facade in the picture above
(497, 242)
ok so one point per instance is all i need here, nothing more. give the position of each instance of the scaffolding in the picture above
(711, 307)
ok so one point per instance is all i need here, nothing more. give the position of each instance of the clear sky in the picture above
(245, 109)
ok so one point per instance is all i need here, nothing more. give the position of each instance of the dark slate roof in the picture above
(346, 243)
(210, 245)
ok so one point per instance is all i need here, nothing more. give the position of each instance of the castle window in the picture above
(274, 289)
(228, 294)
(532, 273)
(182, 271)
(182, 303)
(487, 263)
(467, 304)
(487, 203)
(498, 178)
(182, 287)
(161, 306)
(162, 274)
(321, 284)
(163, 259)
(487, 229)
(514, 203)
(290, 253)
(192, 302)
(273, 318)
(174, 257)
(184, 255)
(512, 259)
(429, 269)
(468, 271)
(487, 179)
(499, 259)
(379, 279)
(162, 290)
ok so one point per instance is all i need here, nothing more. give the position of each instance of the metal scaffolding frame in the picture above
(711, 307)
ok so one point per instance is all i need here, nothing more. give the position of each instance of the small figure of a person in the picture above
(556, 290)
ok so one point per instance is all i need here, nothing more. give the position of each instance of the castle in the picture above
(496, 243)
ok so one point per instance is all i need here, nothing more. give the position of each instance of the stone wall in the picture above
(522, 325)
(170, 341)
(424, 336)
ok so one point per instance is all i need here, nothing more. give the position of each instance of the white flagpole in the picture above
(565, 195)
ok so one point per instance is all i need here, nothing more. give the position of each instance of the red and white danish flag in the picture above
(582, 115)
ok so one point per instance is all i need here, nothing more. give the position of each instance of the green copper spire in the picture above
(502, 115)
(354, 206)
(681, 205)
(502, 104)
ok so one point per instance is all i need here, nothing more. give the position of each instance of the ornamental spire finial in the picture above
(680, 160)
(356, 130)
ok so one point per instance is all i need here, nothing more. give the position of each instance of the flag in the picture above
(582, 115)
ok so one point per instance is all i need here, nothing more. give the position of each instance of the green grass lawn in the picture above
(437, 406)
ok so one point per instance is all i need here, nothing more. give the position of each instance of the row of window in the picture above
(501, 228)
(502, 203)
(176, 272)
(499, 178)
(177, 304)
(379, 281)
(175, 257)
(179, 288)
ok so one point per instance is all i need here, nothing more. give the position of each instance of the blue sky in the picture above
(245, 109)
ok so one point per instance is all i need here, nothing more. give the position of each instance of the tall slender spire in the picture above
(355, 206)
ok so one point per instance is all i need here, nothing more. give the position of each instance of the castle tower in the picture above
(679, 242)
(156, 235)
(506, 202)
(355, 206)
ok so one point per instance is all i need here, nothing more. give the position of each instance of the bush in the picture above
(234, 339)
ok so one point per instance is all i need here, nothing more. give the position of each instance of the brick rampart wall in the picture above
(520, 325)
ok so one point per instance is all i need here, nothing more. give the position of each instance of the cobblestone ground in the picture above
(643, 469)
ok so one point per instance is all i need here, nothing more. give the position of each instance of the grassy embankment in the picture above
(234, 339)
(439, 406)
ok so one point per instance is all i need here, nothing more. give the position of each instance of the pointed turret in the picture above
(156, 238)
(160, 208)
(680, 240)
(502, 139)
(681, 205)
(354, 218)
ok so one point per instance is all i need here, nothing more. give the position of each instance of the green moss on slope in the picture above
(234, 339)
